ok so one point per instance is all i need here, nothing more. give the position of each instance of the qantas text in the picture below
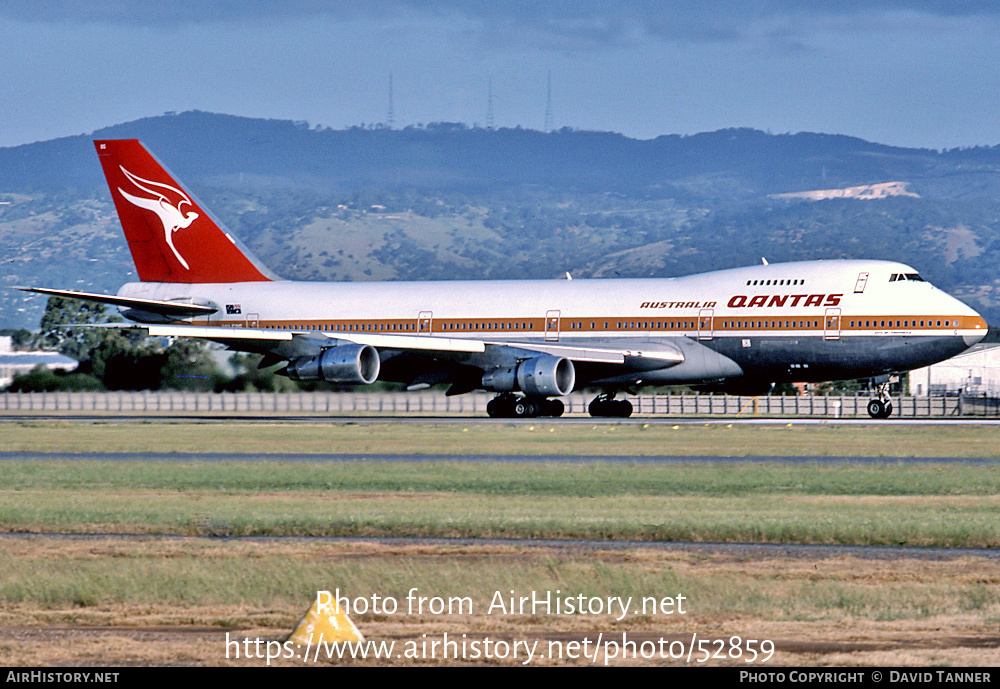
(767, 300)
(745, 301)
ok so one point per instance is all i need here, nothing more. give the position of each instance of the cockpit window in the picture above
(913, 277)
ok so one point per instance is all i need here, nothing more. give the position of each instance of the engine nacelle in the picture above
(349, 363)
(543, 376)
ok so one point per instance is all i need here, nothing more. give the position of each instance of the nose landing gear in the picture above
(881, 406)
(879, 409)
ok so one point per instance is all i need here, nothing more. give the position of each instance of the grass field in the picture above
(107, 592)
(912, 503)
(154, 601)
(552, 438)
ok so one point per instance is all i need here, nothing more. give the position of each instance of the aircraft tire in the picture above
(876, 409)
(610, 408)
(501, 407)
(509, 407)
(525, 408)
(554, 408)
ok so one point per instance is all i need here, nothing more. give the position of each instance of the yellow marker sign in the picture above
(326, 622)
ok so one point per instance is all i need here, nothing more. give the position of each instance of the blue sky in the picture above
(908, 72)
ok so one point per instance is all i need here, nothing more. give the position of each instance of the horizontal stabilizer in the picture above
(176, 309)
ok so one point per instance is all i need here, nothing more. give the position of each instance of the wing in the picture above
(417, 360)
(418, 357)
(310, 342)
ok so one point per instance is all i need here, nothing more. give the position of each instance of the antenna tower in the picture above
(549, 123)
(389, 119)
(490, 124)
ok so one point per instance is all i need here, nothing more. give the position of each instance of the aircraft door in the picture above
(859, 286)
(706, 324)
(552, 326)
(831, 325)
(253, 320)
(425, 321)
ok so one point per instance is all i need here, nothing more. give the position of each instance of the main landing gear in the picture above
(607, 405)
(508, 406)
(881, 406)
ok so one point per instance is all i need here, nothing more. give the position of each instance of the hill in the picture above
(447, 156)
(449, 201)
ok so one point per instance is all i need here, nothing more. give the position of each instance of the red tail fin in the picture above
(171, 237)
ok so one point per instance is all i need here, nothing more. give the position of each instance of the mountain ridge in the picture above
(454, 154)
(451, 201)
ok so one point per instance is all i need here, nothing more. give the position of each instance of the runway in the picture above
(483, 420)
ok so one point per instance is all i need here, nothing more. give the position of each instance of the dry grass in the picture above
(817, 611)
(156, 600)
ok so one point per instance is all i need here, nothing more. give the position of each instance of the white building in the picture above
(976, 372)
(14, 363)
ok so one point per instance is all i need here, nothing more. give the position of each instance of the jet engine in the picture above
(543, 376)
(348, 363)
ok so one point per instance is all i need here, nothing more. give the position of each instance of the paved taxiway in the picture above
(479, 420)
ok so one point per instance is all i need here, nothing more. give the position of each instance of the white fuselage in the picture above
(797, 321)
(754, 298)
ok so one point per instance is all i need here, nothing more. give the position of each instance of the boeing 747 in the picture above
(529, 341)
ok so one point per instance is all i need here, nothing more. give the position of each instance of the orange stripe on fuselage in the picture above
(568, 326)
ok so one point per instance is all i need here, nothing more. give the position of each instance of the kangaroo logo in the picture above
(167, 205)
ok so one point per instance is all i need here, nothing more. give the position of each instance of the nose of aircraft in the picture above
(980, 332)
(973, 326)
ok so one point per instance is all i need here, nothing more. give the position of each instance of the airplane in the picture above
(529, 341)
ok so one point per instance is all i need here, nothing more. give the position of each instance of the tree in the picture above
(121, 359)
(41, 379)
(76, 343)
(182, 365)
(123, 365)
(18, 338)
(250, 378)
(188, 366)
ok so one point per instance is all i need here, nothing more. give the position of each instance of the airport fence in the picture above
(430, 403)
